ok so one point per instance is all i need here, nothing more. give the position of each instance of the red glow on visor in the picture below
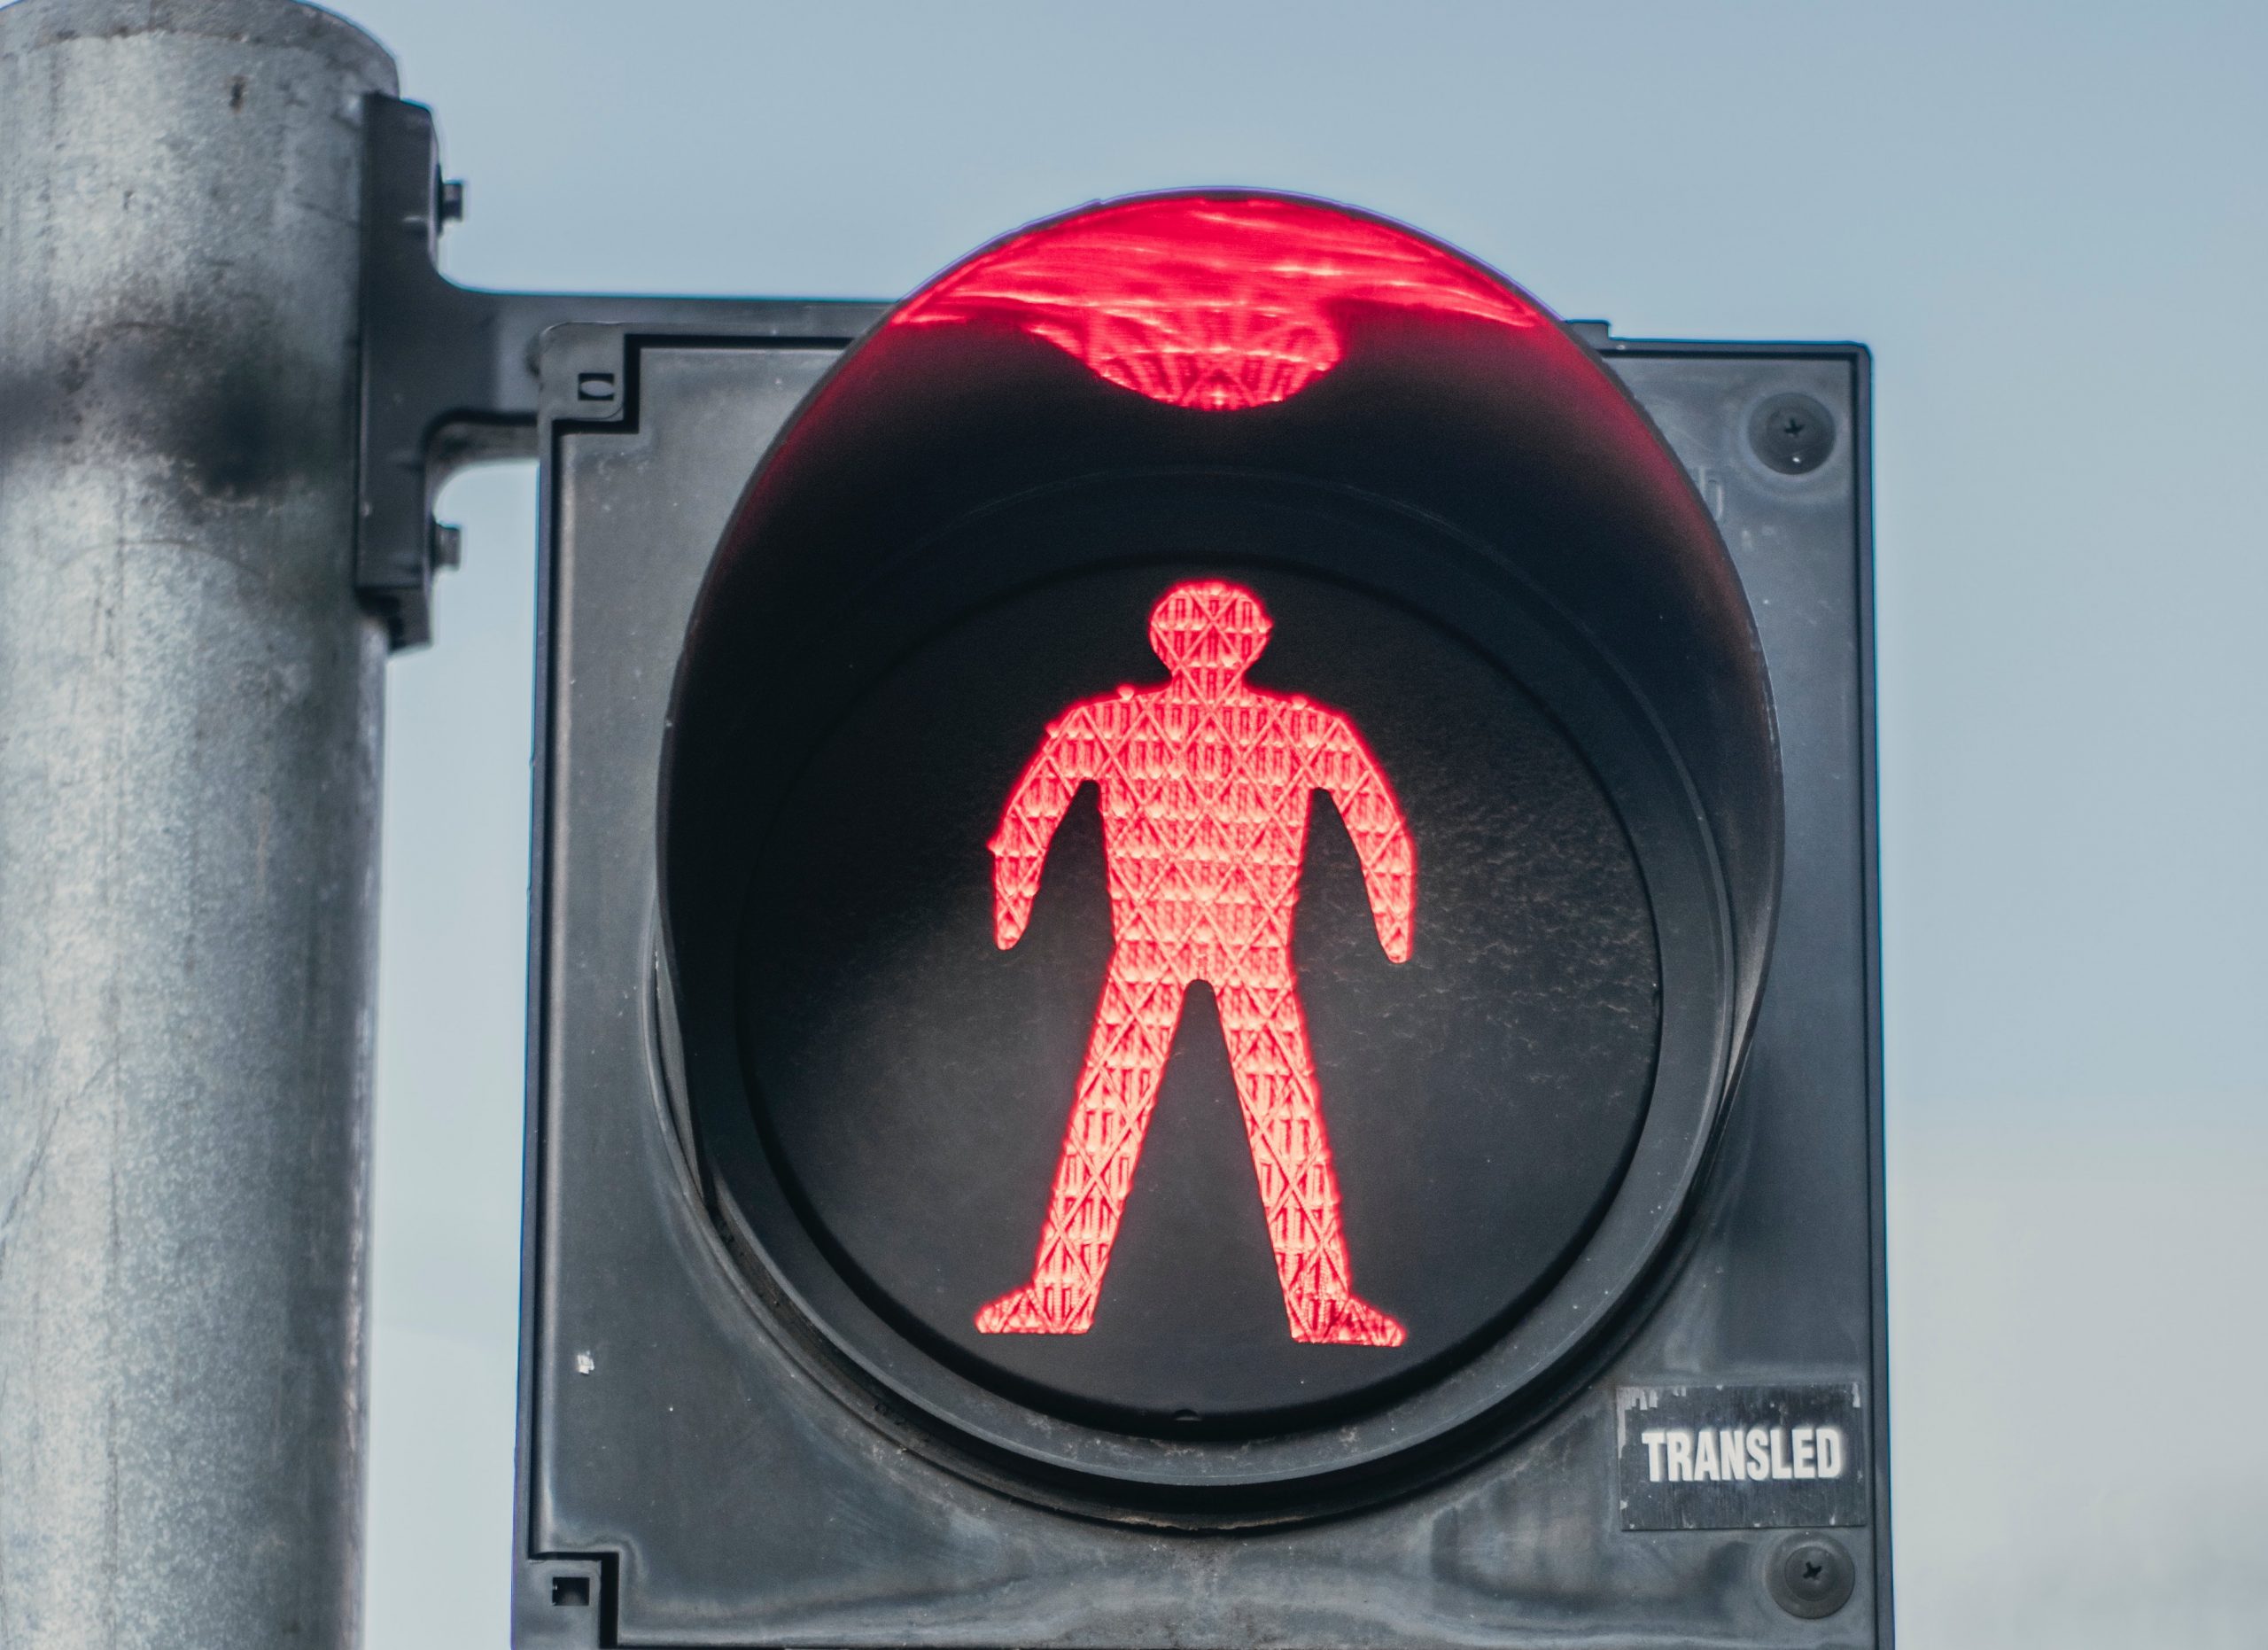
(1205, 787)
(1219, 303)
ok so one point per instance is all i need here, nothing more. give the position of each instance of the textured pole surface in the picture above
(189, 745)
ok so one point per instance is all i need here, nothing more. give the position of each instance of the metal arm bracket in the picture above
(448, 372)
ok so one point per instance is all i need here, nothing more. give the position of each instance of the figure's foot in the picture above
(1348, 1322)
(1034, 1311)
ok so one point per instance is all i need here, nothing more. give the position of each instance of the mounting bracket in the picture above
(449, 373)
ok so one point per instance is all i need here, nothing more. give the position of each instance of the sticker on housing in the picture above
(1742, 1458)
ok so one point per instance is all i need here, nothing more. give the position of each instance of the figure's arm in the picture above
(1028, 824)
(1373, 817)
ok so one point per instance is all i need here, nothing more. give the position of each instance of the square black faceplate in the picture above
(684, 1482)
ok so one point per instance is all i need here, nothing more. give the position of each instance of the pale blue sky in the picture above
(2050, 223)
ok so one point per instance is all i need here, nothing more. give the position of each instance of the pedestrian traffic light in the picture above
(1155, 876)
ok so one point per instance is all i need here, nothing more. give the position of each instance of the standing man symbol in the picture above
(1205, 788)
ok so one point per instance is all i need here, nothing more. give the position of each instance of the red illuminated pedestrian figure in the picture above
(1206, 784)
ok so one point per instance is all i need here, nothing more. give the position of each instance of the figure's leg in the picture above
(1283, 1117)
(1118, 1084)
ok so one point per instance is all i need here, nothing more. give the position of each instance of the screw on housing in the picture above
(1792, 433)
(1811, 1576)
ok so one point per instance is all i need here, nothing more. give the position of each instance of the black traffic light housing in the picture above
(1604, 623)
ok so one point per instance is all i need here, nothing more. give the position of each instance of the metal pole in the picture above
(189, 763)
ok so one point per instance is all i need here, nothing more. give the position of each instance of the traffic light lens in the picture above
(1201, 1179)
(1200, 1187)
(1215, 302)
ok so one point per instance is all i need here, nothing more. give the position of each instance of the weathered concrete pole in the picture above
(189, 768)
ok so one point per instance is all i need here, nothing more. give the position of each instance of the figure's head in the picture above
(1209, 632)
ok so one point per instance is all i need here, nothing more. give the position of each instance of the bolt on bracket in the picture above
(449, 373)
